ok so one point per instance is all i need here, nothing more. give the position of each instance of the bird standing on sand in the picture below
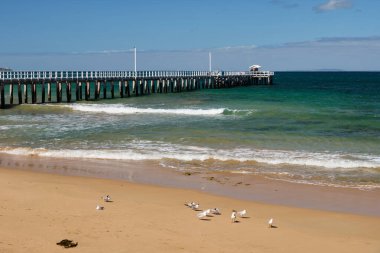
(270, 223)
(192, 205)
(233, 216)
(216, 211)
(195, 206)
(189, 204)
(202, 214)
(107, 198)
(242, 213)
(99, 207)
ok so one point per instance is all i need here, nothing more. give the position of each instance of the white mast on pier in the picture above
(135, 61)
(209, 61)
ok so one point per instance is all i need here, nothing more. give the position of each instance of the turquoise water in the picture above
(309, 127)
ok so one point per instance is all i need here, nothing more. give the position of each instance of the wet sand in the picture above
(238, 186)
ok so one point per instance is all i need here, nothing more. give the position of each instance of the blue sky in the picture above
(277, 34)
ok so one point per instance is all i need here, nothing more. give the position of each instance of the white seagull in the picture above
(99, 207)
(215, 211)
(107, 198)
(202, 214)
(192, 205)
(270, 223)
(195, 206)
(242, 213)
(233, 216)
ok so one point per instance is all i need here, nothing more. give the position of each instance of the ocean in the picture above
(318, 128)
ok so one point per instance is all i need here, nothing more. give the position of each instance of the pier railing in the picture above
(67, 75)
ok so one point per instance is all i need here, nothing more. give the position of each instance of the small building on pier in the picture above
(254, 68)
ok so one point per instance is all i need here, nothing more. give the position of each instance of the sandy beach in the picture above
(39, 209)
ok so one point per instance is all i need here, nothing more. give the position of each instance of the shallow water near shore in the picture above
(310, 128)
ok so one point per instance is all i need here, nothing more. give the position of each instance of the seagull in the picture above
(270, 223)
(107, 198)
(202, 214)
(215, 211)
(195, 206)
(192, 205)
(99, 207)
(233, 216)
(242, 213)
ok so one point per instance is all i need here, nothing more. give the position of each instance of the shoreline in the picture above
(40, 209)
(238, 186)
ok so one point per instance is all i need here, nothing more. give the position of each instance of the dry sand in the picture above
(39, 209)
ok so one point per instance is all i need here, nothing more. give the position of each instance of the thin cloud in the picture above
(235, 48)
(337, 41)
(331, 5)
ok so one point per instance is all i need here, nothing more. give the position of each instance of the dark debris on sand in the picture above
(67, 243)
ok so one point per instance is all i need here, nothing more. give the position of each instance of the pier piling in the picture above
(19, 93)
(2, 96)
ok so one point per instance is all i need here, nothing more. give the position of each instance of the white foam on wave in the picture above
(328, 160)
(9, 127)
(363, 187)
(157, 150)
(124, 109)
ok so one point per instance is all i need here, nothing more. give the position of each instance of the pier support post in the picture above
(43, 92)
(87, 91)
(11, 94)
(141, 85)
(112, 89)
(127, 88)
(49, 91)
(59, 92)
(25, 93)
(147, 86)
(80, 91)
(97, 89)
(121, 90)
(164, 86)
(68, 92)
(175, 84)
(151, 83)
(77, 91)
(153, 86)
(161, 86)
(136, 87)
(105, 89)
(19, 93)
(34, 93)
(2, 96)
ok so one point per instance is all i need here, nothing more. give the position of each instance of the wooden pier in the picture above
(32, 87)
